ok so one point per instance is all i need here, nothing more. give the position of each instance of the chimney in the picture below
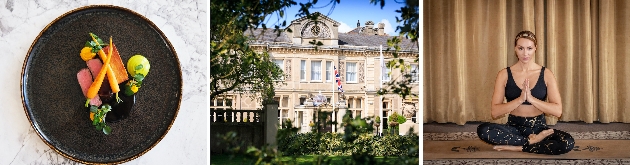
(369, 24)
(381, 29)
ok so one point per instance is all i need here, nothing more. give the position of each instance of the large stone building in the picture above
(309, 71)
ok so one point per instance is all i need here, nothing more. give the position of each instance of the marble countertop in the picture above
(184, 22)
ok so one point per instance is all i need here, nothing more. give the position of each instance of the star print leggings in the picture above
(517, 130)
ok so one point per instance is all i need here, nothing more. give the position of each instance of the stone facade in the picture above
(309, 71)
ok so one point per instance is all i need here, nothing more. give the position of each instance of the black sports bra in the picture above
(539, 91)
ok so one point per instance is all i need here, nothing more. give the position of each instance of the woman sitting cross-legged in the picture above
(531, 92)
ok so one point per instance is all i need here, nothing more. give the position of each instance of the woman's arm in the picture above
(554, 104)
(498, 107)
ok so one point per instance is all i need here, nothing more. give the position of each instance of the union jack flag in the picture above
(338, 80)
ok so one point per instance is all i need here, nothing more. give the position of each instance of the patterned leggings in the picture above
(517, 130)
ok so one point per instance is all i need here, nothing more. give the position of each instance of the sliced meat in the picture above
(85, 80)
(95, 66)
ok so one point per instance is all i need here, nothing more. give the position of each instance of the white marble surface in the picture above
(184, 22)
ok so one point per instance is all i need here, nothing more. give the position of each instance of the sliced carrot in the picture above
(113, 82)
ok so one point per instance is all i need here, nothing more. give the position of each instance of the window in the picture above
(352, 103)
(285, 102)
(328, 71)
(356, 113)
(303, 70)
(316, 70)
(385, 75)
(280, 64)
(299, 119)
(283, 115)
(351, 72)
(228, 102)
(222, 102)
(384, 122)
(413, 118)
(277, 99)
(302, 100)
(414, 73)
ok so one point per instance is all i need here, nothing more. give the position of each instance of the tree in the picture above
(409, 16)
(234, 66)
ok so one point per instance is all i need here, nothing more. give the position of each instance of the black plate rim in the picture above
(24, 71)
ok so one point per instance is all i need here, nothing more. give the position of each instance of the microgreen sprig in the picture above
(94, 45)
(136, 81)
(99, 118)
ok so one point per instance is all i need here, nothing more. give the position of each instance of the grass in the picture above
(301, 160)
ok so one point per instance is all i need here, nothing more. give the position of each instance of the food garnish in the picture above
(96, 113)
(138, 66)
(87, 54)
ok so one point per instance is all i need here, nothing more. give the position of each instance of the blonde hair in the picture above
(528, 35)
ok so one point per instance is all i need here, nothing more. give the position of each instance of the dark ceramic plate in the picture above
(54, 102)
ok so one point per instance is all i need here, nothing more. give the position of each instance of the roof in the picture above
(269, 35)
(350, 39)
(345, 39)
(356, 30)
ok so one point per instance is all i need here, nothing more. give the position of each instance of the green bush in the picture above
(332, 144)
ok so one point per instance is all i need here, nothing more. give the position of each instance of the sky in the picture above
(347, 12)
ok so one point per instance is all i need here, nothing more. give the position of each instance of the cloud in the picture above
(388, 28)
(344, 28)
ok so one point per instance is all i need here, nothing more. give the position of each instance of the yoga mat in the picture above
(477, 149)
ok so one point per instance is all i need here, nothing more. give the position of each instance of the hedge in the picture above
(332, 144)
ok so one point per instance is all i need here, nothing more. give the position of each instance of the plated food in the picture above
(54, 102)
(93, 80)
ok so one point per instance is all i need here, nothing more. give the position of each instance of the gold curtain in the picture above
(584, 43)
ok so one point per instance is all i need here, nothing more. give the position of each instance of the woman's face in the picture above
(524, 49)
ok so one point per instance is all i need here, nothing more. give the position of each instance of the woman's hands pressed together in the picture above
(525, 92)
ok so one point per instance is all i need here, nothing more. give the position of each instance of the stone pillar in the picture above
(271, 122)
(404, 127)
(340, 114)
(408, 110)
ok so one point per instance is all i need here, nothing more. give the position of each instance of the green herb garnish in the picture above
(134, 83)
(99, 118)
(139, 67)
(96, 46)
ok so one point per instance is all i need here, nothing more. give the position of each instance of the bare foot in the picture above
(535, 138)
(508, 148)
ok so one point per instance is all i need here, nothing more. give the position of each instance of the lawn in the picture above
(301, 160)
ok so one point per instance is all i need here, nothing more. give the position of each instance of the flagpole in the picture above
(380, 127)
(334, 81)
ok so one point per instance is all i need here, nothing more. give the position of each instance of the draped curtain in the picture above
(585, 43)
